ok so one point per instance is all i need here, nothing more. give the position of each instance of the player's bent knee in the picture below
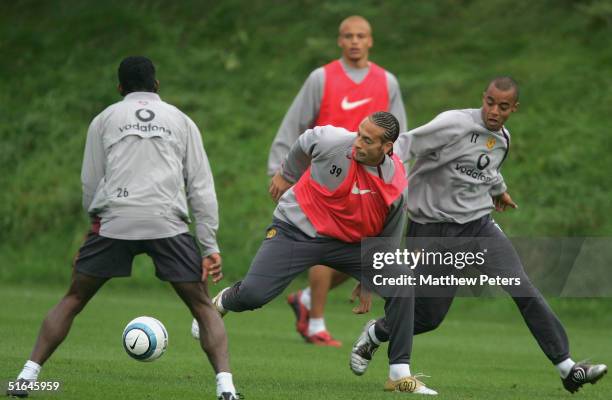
(426, 326)
(74, 303)
(251, 298)
(428, 322)
(434, 323)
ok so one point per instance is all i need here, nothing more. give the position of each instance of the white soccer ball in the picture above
(145, 339)
(195, 329)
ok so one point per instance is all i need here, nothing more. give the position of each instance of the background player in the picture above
(341, 94)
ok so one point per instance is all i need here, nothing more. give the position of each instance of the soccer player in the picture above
(143, 163)
(341, 94)
(455, 184)
(348, 188)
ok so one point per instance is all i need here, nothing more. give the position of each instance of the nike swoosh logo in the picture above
(349, 105)
(134, 344)
(356, 190)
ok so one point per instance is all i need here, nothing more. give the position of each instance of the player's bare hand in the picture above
(503, 201)
(211, 266)
(365, 299)
(278, 186)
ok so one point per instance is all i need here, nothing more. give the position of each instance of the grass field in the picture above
(482, 351)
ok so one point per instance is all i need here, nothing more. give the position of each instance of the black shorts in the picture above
(176, 259)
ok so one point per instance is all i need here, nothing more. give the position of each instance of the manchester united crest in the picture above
(271, 233)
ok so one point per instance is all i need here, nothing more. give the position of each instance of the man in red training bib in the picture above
(349, 187)
(341, 93)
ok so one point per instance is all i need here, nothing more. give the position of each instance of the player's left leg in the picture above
(177, 260)
(213, 338)
(431, 303)
(56, 326)
(503, 261)
(284, 254)
(98, 259)
(399, 315)
(58, 321)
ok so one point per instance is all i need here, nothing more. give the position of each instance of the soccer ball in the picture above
(145, 339)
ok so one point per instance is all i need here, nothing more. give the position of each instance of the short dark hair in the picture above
(137, 74)
(388, 122)
(505, 83)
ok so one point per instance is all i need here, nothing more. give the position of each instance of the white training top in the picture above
(144, 160)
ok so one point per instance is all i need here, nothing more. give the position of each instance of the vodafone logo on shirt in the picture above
(350, 105)
(145, 115)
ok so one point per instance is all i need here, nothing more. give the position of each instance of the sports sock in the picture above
(372, 334)
(399, 371)
(564, 367)
(219, 304)
(30, 371)
(305, 298)
(315, 325)
(225, 383)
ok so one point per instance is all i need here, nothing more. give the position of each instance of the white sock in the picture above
(219, 304)
(565, 367)
(399, 371)
(225, 383)
(305, 298)
(30, 371)
(316, 325)
(372, 334)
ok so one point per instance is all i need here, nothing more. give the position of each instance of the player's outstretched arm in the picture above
(431, 137)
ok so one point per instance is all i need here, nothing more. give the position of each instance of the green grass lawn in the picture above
(482, 351)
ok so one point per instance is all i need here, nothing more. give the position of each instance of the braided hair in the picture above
(388, 122)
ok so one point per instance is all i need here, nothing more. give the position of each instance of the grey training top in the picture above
(305, 109)
(328, 151)
(457, 167)
(143, 161)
